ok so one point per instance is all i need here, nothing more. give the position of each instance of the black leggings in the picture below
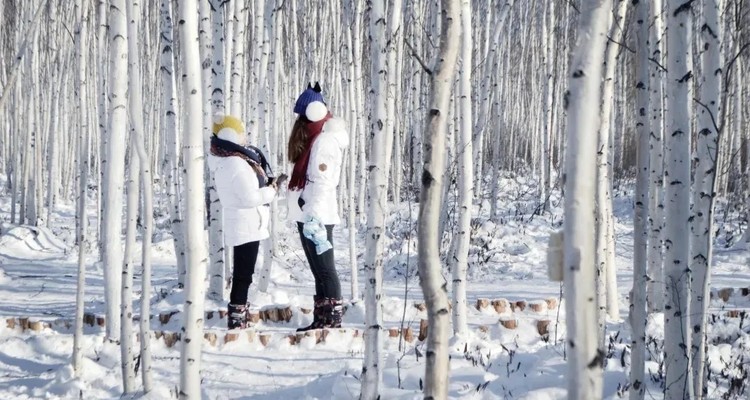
(245, 256)
(323, 267)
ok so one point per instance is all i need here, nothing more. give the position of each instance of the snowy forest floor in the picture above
(495, 361)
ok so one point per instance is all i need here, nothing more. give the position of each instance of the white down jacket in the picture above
(323, 172)
(243, 201)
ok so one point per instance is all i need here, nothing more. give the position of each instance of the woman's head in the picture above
(229, 128)
(310, 95)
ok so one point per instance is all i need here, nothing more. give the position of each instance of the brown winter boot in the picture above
(317, 322)
(236, 316)
(333, 312)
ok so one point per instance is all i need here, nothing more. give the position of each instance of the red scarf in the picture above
(299, 173)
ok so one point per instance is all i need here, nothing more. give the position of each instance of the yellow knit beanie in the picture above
(222, 122)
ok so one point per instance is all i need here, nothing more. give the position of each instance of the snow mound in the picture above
(27, 242)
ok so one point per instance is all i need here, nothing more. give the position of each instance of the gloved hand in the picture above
(314, 230)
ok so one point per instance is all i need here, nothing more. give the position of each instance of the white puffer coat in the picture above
(323, 172)
(244, 203)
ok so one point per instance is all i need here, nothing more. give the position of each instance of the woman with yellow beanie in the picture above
(244, 191)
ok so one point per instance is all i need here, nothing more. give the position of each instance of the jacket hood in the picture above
(336, 128)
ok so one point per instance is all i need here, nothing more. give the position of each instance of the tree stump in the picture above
(733, 313)
(484, 328)
(211, 338)
(222, 314)
(420, 306)
(501, 306)
(89, 319)
(482, 304)
(725, 293)
(423, 327)
(285, 314)
(24, 323)
(264, 338)
(294, 338)
(305, 310)
(393, 332)
(321, 335)
(538, 306)
(250, 335)
(158, 334)
(253, 316)
(551, 303)
(521, 305)
(10, 323)
(166, 316)
(36, 326)
(408, 334)
(542, 327)
(231, 336)
(100, 321)
(170, 338)
(509, 323)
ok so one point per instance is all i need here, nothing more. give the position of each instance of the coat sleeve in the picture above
(322, 173)
(246, 188)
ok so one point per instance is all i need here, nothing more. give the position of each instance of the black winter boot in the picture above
(317, 321)
(236, 316)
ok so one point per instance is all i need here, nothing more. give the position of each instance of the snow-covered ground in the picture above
(495, 361)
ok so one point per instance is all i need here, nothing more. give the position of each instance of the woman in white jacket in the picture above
(244, 192)
(316, 146)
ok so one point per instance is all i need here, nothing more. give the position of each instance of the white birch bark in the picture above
(655, 284)
(169, 131)
(137, 138)
(372, 372)
(83, 156)
(115, 167)
(193, 155)
(677, 274)
(640, 219)
(430, 274)
(605, 243)
(216, 263)
(465, 177)
(585, 356)
(703, 193)
(238, 60)
(127, 357)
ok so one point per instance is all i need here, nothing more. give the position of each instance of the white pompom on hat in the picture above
(316, 111)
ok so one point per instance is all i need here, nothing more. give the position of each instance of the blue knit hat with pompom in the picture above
(310, 95)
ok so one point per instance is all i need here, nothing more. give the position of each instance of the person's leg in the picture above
(309, 248)
(332, 308)
(312, 259)
(245, 256)
(329, 277)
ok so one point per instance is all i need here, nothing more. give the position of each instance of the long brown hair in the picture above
(298, 139)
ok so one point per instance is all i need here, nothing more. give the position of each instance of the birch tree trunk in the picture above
(372, 373)
(169, 104)
(605, 243)
(83, 157)
(655, 284)
(115, 167)
(638, 314)
(677, 273)
(430, 274)
(137, 138)
(193, 155)
(465, 178)
(701, 245)
(127, 357)
(585, 356)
